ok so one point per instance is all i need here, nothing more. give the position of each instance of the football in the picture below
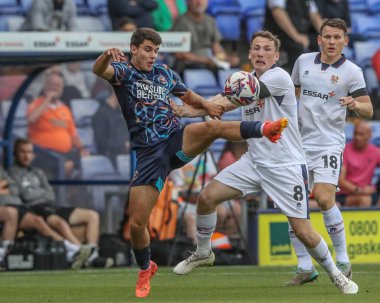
(242, 88)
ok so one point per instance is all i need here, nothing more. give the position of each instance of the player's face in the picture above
(262, 54)
(145, 55)
(24, 154)
(331, 41)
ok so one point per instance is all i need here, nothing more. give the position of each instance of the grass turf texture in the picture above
(212, 284)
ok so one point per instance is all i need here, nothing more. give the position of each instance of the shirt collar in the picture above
(336, 64)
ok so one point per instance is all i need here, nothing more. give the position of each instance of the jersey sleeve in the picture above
(296, 73)
(177, 88)
(121, 72)
(277, 83)
(357, 86)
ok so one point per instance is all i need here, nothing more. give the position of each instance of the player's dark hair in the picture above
(268, 35)
(335, 22)
(20, 141)
(145, 33)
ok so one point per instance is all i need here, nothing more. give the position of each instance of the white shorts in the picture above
(324, 166)
(287, 186)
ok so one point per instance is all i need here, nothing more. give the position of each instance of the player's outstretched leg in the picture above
(193, 261)
(303, 276)
(143, 281)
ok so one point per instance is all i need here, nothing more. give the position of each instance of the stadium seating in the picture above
(86, 135)
(25, 5)
(11, 23)
(375, 133)
(88, 24)
(229, 24)
(10, 7)
(254, 21)
(349, 131)
(83, 110)
(123, 165)
(367, 25)
(223, 74)
(98, 7)
(373, 6)
(202, 81)
(364, 52)
(358, 5)
(98, 167)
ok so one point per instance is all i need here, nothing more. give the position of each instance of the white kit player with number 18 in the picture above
(328, 84)
(278, 169)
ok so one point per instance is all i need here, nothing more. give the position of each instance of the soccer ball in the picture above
(242, 88)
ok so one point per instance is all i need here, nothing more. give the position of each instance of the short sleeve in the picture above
(296, 73)
(121, 72)
(276, 3)
(277, 82)
(357, 81)
(177, 88)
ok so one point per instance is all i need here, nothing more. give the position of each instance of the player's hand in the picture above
(115, 54)
(348, 102)
(214, 110)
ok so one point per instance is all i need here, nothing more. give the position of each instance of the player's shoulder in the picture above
(276, 73)
(308, 57)
(351, 65)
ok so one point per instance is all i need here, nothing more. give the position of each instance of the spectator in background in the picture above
(206, 49)
(51, 126)
(10, 200)
(376, 64)
(51, 15)
(74, 77)
(8, 220)
(110, 141)
(330, 9)
(360, 159)
(37, 194)
(138, 10)
(166, 13)
(296, 23)
(127, 25)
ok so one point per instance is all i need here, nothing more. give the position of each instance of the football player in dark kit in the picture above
(143, 89)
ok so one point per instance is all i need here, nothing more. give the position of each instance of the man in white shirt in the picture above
(328, 84)
(279, 169)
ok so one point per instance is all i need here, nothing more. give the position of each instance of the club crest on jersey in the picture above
(331, 94)
(334, 79)
(162, 80)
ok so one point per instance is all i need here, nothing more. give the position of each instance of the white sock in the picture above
(205, 227)
(71, 249)
(303, 257)
(322, 255)
(7, 243)
(2, 253)
(94, 253)
(335, 227)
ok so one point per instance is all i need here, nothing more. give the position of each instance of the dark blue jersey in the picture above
(144, 101)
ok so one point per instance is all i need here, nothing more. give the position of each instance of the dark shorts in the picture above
(154, 163)
(46, 210)
(21, 210)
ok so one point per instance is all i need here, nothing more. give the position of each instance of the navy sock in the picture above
(142, 257)
(250, 129)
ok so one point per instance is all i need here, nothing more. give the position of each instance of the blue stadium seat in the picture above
(357, 5)
(11, 23)
(375, 133)
(98, 167)
(86, 135)
(373, 6)
(364, 52)
(367, 25)
(349, 131)
(10, 7)
(229, 25)
(25, 5)
(223, 75)
(88, 24)
(82, 7)
(371, 79)
(83, 110)
(202, 81)
(218, 6)
(248, 5)
(98, 7)
(123, 165)
(253, 23)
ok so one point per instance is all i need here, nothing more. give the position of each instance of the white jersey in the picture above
(281, 103)
(321, 117)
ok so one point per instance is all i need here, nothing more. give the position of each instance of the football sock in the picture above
(142, 257)
(322, 255)
(303, 257)
(335, 227)
(250, 129)
(205, 227)
(71, 249)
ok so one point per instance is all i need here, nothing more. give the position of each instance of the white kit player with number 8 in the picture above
(328, 84)
(278, 169)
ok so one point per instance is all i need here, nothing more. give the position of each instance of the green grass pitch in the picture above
(211, 284)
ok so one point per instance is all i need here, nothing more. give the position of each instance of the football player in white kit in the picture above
(328, 84)
(279, 169)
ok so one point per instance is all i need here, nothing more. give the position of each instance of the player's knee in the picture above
(213, 127)
(92, 216)
(38, 222)
(138, 226)
(10, 214)
(206, 201)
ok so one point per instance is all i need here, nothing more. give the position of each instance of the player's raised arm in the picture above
(102, 66)
(213, 109)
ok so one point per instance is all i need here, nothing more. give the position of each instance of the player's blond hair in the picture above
(268, 35)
